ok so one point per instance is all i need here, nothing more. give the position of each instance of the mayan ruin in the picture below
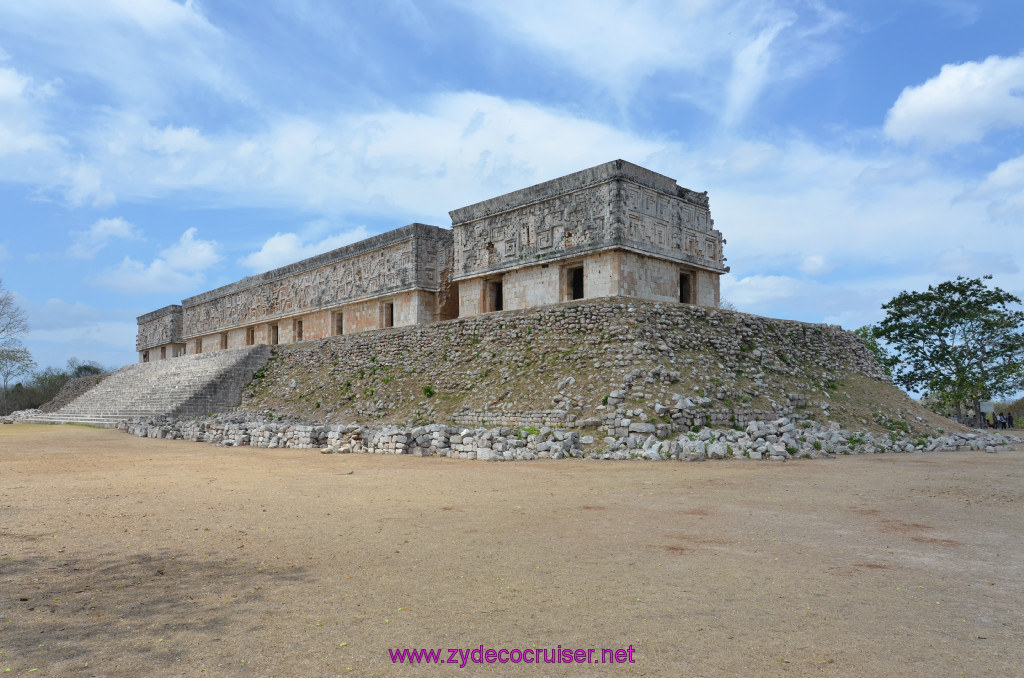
(614, 230)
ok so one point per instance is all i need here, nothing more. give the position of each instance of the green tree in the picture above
(869, 335)
(959, 342)
(76, 368)
(15, 361)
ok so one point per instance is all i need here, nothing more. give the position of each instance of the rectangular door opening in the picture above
(685, 288)
(496, 296)
(339, 324)
(298, 330)
(576, 283)
(250, 336)
(223, 340)
(273, 335)
(389, 314)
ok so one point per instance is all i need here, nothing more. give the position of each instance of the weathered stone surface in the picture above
(614, 230)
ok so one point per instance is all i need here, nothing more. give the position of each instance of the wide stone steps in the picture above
(190, 385)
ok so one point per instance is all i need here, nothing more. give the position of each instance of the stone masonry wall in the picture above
(159, 327)
(616, 204)
(621, 367)
(411, 257)
(778, 440)
(71, 390)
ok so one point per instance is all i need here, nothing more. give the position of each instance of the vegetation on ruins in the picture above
(869, 334)
(15, 361)
(958, 343)
(43, 385)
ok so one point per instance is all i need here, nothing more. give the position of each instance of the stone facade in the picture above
(391, 280)
(159, 334)
(615, 230)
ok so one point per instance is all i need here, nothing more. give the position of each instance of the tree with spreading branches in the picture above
(13, 320)
(958, 343)
(15, 361)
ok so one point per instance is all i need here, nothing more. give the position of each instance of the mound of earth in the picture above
(591, 364)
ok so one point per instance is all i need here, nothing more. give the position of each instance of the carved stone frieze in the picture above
(613, 205)
(160, 327)
(396, 261)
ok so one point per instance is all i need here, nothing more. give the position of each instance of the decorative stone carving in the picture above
(403, 259)
(159, 327)
(618, 212)
(617, 204)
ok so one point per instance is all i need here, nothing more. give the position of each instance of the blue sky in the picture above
(152, 149)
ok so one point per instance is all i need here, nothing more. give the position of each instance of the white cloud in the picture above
(456, 148)
(178, 269)
(815, 264)
(190, 254)
(62, 329)
(750, 74)
(140, 50)
(88, 243)
(4, 252)
(755, 291)
(56, 314)
(961, 261)
(286, 248)
(135, 277)
(110, 343)
(1004, 189)
(21, 130)
(721, 51)
(962, 104)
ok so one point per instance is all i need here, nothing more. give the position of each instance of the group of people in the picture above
(1001, 420)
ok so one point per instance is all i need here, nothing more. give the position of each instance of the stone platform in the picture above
(190, 385)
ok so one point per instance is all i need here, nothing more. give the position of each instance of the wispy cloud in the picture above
(457, 147)
(178, 269)
(1003, 187)
(140, 52)
(718, 55)
(21, 111)
(287, 248)
(88, 243)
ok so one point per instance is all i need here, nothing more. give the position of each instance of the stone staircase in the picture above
(189, 385)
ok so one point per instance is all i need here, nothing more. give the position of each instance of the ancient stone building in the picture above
(159, 334)
(615, 230)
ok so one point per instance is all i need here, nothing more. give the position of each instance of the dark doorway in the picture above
(250, 336)
(576, 283)
(223, 340)
(298, 330)
(389, 315)
(685, 288)
(497, 296)
(273, 335)
(339, 324)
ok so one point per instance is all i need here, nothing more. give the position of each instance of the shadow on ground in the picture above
(118, 611)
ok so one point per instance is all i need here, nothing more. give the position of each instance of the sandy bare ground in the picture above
(127, 556)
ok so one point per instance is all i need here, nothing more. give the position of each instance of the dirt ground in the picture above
(127, 556)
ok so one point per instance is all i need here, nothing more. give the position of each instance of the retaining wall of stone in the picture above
(777, 440)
